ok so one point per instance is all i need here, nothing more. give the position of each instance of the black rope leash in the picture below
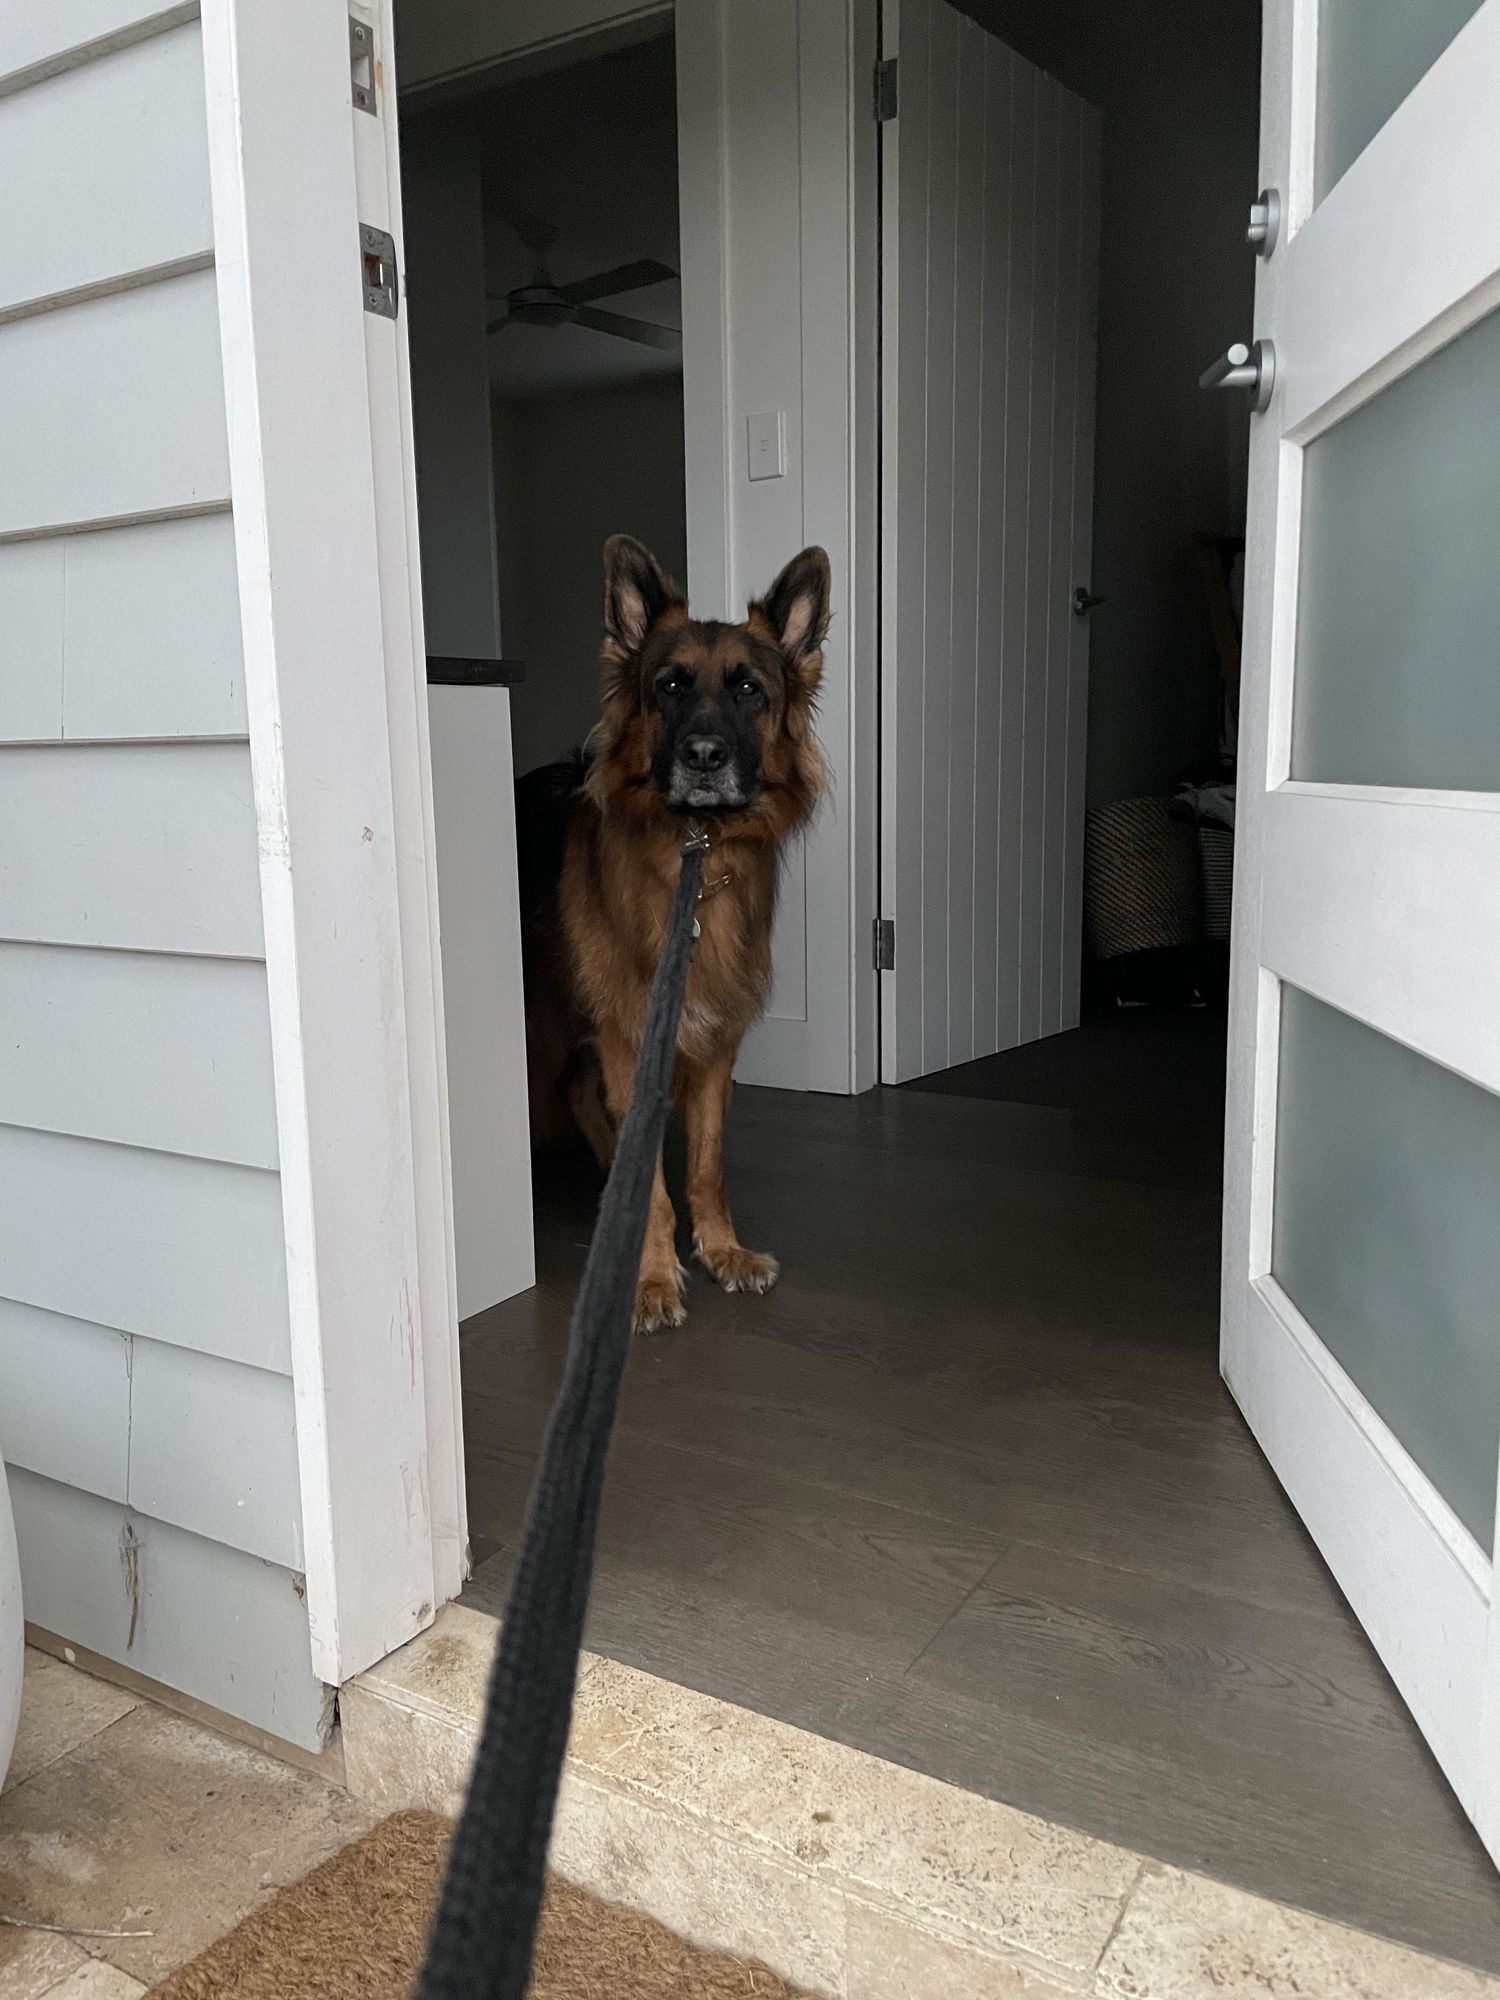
(485, 1928)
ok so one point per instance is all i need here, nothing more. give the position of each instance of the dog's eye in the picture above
(743, 688)
(674, 684)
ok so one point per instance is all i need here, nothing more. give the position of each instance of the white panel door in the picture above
(990, 273)
(1361, 1269)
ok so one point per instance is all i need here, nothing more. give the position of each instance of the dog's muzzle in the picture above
(705, 775)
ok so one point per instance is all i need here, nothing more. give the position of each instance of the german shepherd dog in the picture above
(703, 724)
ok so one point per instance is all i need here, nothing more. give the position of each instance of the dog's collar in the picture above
(698, 842)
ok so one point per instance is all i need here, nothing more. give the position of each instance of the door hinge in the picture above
(362, 66)
(885, 944)
(377, 255)
(886, 89)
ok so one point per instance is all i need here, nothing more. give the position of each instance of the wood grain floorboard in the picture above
(966, 1490)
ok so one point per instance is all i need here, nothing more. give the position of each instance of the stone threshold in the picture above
(855, 1878)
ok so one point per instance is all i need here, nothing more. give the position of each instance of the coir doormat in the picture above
(355, 1929)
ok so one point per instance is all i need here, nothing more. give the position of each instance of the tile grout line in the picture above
(1114, 1930)
(83, 1743)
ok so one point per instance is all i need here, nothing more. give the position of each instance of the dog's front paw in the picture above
(738, 1269)
(658, 1301)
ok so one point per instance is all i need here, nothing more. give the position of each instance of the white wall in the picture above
(571, 470)
(146, 1399)
(470, 727)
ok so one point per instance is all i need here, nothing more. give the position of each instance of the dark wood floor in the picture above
(966, 1490)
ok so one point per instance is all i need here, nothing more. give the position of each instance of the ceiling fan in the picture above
(541, 302)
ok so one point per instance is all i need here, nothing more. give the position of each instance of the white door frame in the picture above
(778, 211)
(319, 415)
(1366, 897)
(780, 304)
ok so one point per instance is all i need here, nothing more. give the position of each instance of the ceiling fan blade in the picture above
(623, 278)
(495, 325)
(628, 329)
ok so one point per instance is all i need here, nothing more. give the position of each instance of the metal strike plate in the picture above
(887, 89)
(362, 66)
(885, 944)
(377, 250)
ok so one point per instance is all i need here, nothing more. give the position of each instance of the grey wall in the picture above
(1178, 83)
(146, 1404)
(569, 471)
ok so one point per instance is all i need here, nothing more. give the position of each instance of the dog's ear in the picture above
(637, 590)
(796, 609)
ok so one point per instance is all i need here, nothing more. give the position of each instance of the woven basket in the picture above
(1142, 881)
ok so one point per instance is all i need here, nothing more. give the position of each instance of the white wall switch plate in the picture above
(767, 438)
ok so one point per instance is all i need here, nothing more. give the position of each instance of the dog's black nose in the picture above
(705, 753)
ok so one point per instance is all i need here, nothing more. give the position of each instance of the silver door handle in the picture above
(1252, 368)
(1265, 222)
(1084, 600)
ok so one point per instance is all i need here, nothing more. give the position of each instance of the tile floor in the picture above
(108, 1801)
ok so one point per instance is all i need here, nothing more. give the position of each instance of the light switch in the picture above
(767, 434)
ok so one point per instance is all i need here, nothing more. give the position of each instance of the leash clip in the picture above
(697, 841)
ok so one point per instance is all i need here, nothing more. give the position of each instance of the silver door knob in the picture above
(1251, 368)
(1265, 222)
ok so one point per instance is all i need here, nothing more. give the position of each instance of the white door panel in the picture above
(1420, 1584)
(1370, 904)
(1357, 1297)
(1410, 233)
(990, 193)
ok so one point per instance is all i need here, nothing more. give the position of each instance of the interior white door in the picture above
(1361, 1260)
(990, 225)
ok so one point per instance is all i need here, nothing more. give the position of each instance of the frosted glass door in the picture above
(1387, 1171)
(1361, 1281)
(1398, 640)
(1370, 54)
